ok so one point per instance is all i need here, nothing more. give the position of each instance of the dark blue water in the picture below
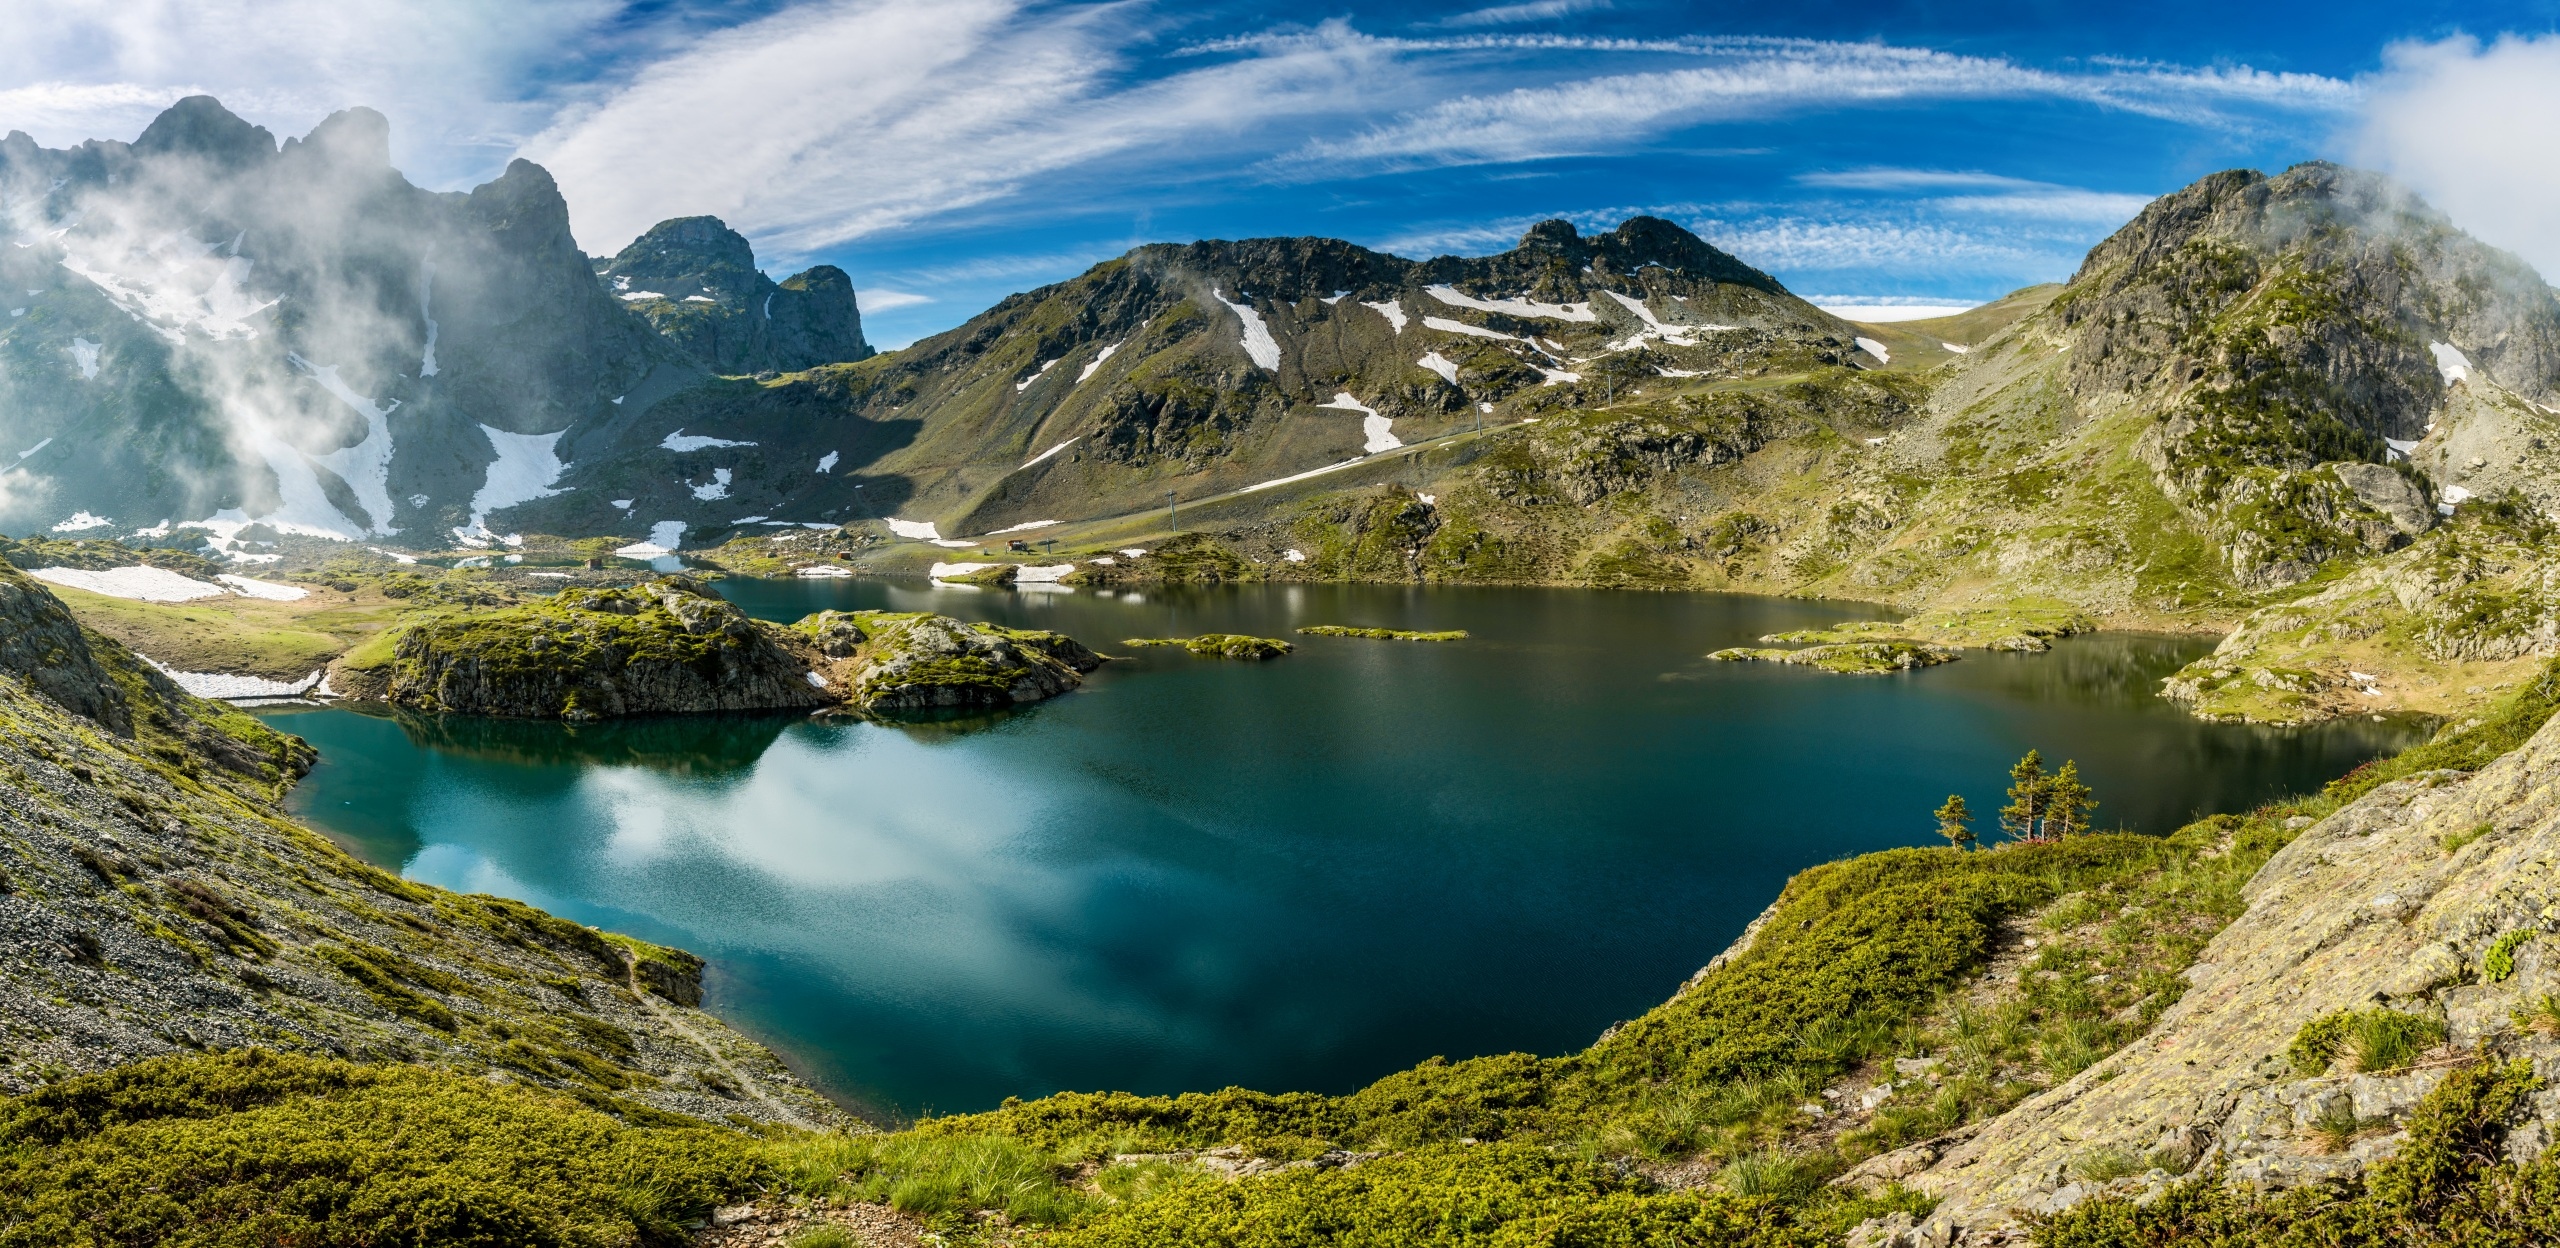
(1300, 874)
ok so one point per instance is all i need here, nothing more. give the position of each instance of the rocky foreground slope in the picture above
(2431, 896)
(155, 901)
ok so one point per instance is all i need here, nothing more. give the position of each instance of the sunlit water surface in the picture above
(1299, 874)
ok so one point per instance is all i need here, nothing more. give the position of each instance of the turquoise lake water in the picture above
(1300, 874)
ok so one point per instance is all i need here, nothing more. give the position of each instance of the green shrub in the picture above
(251, 1148)
(1446, 1196)
(932, 1175)
(2376, 1039)
(2500, 962)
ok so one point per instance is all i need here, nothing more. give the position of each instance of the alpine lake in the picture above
(1293, 875)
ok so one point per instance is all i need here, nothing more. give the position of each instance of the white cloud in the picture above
(847, 117)
(1761, 77)
(2475, 129)
(1510, 14)
(876, 300)
(2105, 208)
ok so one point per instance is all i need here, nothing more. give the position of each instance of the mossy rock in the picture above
(1383, 634)
(1856, 658)
(1220, 645)
(917, 661)
(666, 647)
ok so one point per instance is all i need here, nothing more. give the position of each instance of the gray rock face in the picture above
(42, 645)
(2390, 493)
(696, 281)
(2364, 908)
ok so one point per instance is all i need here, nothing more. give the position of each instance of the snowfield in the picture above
(138, 583)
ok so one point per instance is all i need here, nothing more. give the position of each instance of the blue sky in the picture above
(948, 152)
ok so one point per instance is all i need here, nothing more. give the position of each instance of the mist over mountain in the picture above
(207, 326)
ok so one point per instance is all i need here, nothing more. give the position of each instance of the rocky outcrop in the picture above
(1849, 658)
(42, 645)
(669, 647)
(2280, 325)
(2404, 899)
(673, 647)
(2430, 629)
(696, 281)
(913, 661)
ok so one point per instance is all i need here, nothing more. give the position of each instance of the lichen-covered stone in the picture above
(2365, 907)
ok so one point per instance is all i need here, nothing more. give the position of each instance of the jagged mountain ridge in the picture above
(206, 324)
(2232, 396)
(1190, 368)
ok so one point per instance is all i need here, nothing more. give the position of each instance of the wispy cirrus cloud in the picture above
(1763, 77)
(1510, 14)
(878, 300)
(836, 120)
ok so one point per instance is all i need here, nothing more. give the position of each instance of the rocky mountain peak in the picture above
(354, 138)
(524, 208)
(688, 255)
(695, 280)
(200, 126)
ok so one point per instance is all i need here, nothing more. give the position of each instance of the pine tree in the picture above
(2067, 802)
(2023, 818)
(1955, 821)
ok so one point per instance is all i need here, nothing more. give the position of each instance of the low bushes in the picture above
(251, 1148)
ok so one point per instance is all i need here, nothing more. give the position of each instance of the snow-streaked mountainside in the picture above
(1191, 369)
(205, 326)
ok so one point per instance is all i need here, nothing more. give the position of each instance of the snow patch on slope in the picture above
(250, 587)
(1036, 374)
(1047, 453)
(681, 441)
(1447, 326)
(1876, 349)
(1089, 369)
(80, 521)
(1380, 429)
(664, 538)
(527, 465)
(426, 312)
(924, 531)
(1258, 342)
(2451, 362)
(827, 462)
(85, 354)
(1522, 306)
(1392, 309)
(366, 466)
(1441, 364)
